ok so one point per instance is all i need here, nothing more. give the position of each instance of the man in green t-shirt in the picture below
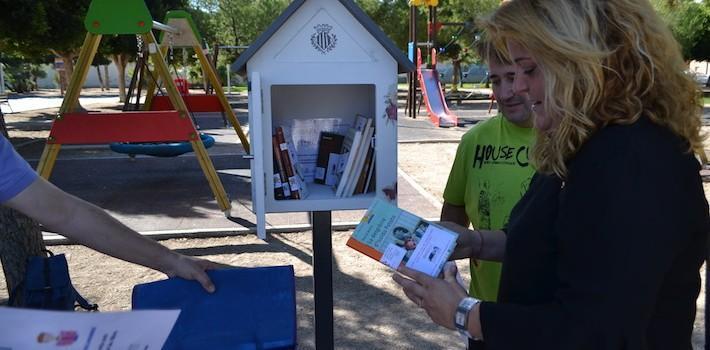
(491, 171)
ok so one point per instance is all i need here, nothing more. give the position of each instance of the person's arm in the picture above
(454, 213)
(477, 244)
(438, 297)
(91, 226)
(457, 214)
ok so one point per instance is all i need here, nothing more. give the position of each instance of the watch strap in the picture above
(461, 315)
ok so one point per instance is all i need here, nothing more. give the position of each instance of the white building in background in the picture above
(701, 72)
(92, 80)
(700, 67)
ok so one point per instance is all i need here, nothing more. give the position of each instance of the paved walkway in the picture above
(168, 197)
(45, 99)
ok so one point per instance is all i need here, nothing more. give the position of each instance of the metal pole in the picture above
(164, 27)
(323, 278)
(413, 76)
(229, 80)
(2, 79)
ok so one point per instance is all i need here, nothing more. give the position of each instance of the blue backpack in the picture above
(47, 286)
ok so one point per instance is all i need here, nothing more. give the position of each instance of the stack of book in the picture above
(346, 163)
(288, 177)
(356, 170)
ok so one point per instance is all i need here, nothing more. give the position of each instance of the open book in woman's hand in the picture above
(394, 236)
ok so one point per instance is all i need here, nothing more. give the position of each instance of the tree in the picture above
(122, 49)
(35, 28)
(239, 21)
(101, 60)
(458, 56)
(393, 18)
(690, 23)
(21, 238)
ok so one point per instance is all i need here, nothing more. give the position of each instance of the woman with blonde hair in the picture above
(604, 250)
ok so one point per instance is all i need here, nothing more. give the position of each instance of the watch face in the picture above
(460, 317)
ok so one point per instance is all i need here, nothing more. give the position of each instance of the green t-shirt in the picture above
(490, 174)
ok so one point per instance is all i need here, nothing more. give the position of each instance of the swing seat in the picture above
(197, 103)
(159, 149)
(182, 85)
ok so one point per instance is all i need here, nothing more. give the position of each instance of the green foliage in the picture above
(36, 28)
(393, 17)
(126, 44)
(466, 10)
(100, 60)
(690, 23)
(202, 20)
(21, 76)
(32, 28)
(238, 22)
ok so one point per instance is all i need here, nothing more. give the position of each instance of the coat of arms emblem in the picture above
(323, 40)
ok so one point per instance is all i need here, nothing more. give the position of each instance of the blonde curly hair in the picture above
(604, 62)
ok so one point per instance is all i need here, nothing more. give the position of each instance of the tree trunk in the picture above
(20, 238)
(107, 78)
(68, 59)
(120, 61)
(101, 79)
(3, 126)
(456, 75)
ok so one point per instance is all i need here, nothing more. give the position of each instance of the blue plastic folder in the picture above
(253, 308)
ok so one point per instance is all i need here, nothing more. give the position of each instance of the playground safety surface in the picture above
(169, 198)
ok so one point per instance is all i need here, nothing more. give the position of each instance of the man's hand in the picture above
(438, 297)
(93, 227)
(464, 243)
(191, 268)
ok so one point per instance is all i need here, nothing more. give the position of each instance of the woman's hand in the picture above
(438, 297)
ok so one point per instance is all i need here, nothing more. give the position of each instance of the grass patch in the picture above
(404, 86)
(706, 100)
(236, 88)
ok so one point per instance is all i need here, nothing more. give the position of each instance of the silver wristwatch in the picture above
(461, 315)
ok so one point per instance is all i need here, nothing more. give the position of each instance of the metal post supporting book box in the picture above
(321, 66)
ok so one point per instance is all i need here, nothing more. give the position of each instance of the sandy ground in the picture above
(370, 311)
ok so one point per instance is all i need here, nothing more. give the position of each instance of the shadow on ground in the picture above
(367, 315)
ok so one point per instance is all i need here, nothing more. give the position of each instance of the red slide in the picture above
(434, 97)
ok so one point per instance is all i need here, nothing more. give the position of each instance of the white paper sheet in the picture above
(130, 330)
(305, 134)
(430, 254)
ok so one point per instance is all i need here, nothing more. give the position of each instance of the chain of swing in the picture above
(138, 79)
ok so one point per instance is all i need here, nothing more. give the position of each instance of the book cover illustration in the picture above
(330, 143)
(304, 136)
(394, 236)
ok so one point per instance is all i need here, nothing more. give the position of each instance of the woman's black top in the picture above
(610, 257)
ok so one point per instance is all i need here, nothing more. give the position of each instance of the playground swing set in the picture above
(163, 119)
(156, 100)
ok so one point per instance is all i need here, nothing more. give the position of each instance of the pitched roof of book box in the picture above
(403, 63)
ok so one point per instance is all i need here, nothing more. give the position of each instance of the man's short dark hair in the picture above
(489, 53)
